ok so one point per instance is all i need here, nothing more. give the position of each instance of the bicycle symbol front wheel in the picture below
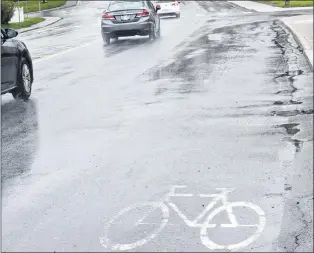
(152, 206)
(233, 247)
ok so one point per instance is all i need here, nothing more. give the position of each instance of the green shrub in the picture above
(7, 11)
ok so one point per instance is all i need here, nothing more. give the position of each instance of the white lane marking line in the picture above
(63, 52)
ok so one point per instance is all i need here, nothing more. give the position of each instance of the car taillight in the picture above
(144, 13)
(107, 16)
(175, 3)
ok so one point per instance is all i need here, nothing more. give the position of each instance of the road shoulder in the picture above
(298, 208)
(302, 29)
(300, 26)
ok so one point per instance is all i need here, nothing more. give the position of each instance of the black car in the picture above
(16, 66)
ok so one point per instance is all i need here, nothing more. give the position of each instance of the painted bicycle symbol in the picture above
(204, 226)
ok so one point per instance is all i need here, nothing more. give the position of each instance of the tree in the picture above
(7, 11)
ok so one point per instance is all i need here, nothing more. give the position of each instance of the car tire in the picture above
(152, 33)
(178, 15)
(158, 33)
(24, 84)
(107, 39)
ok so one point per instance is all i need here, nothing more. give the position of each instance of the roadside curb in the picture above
(39, 27)
(301, 42)
(264, 8)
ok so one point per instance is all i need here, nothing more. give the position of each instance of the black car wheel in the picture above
(107, 39)
(158, 32)
(152, 33)
(24, 84)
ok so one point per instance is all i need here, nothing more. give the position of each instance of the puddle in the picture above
(290, 128)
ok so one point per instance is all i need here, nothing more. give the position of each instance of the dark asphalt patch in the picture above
(218, 7)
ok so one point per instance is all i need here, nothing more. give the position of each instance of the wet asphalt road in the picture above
(222, 100)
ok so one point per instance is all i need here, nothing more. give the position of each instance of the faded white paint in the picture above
(64, 52)
(234, 224)
(196, 223)
(105, 241)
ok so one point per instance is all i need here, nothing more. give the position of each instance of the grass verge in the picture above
(27, 23)
(296, 3)
(33, 5)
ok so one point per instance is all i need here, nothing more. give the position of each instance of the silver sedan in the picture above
(130, 18)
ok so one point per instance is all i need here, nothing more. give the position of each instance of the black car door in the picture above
(9, 62)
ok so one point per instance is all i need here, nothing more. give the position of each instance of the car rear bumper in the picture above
(129, 28)
(168, 13)
(165, 11)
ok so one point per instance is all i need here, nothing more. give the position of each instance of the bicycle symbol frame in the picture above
(204, 226)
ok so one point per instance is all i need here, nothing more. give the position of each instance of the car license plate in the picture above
(125, 17)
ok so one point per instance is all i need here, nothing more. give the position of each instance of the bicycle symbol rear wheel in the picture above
(106, 242)
(233, 247)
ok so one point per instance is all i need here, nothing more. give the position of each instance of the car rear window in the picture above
(117, 6)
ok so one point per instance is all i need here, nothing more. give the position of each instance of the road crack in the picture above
(291, 55)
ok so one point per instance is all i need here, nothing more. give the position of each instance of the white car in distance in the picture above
(168, 8)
